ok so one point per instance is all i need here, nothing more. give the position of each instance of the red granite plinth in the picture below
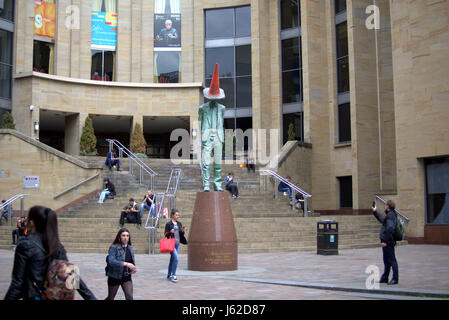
(212, 238)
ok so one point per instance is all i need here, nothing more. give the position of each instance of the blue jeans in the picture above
(145, 206)
(288, 190)
(173, 260)
(103, 194)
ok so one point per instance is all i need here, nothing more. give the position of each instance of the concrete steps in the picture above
(263, 224)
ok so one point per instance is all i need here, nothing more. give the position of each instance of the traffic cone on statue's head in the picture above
(214, 92)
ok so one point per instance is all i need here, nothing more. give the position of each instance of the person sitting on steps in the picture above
(131, 213)
(285, 188)
(112, 160)
(148, 203)
(108, 191)
(230, 186)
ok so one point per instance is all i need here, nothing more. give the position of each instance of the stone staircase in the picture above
(263, 224)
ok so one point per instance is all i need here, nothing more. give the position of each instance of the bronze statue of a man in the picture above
(211, 118)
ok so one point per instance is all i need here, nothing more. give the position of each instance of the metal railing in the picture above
(152, 223)
(76, 186)
(396, 210)
(143, 167)
(8, 202)
(295, 189)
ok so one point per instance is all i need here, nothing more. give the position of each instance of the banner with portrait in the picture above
(44, 19)
(167, 24)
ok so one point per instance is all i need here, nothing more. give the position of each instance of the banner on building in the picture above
(104, 28)
(44, 19)
(167, 30)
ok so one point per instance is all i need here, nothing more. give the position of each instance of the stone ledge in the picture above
(49, 149)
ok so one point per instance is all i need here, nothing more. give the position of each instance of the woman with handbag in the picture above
(33, 256)
(120, 265)
(174, 229)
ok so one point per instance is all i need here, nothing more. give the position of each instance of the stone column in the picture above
(72, 134)
(136, 43)
(147, 42)
(124, 41)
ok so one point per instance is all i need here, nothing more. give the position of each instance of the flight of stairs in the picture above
(263, 224)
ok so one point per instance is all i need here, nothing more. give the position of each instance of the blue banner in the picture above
(104, 28)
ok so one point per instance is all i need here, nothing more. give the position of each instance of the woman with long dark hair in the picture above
(34, 254)
(174, 229)
(120, 265)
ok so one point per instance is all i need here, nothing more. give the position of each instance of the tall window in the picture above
(104, 39)
(437, 189)
(228, 42)
(6, 54)
(342, 59)
(292, 86)
(167, 41)
(345, 184)
(44, 36)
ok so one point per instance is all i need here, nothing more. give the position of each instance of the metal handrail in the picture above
(76, 186)
(396, 210)
(132, 157)
(8, 202)
(266, 172)
(170, 193)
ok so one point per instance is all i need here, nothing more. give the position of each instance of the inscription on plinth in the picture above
(212, 237)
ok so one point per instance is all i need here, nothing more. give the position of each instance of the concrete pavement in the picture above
(423, 274)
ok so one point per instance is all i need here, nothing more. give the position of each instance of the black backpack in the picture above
(399, 231)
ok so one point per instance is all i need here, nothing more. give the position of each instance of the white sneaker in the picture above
(173, 279)
(285, 194)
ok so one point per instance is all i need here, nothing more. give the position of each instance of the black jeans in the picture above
(233, 189)
(132, 217)
(390, 263)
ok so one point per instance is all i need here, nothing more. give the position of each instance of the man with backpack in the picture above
(388, 241)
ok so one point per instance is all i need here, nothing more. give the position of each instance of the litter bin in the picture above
(327, 237)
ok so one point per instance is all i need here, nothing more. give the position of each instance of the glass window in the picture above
(342, 39)
(291, 56)
(289, 14)
(244, 92)
(225, 58)
(293, 126)
(43, 57)
(340, 6)
(219, 23)
(343, 75)
(345, 192)
(6, 42)
(243, 21)
(5, 81)
(227, 84)
(167, 66)
(291, 86)
(103, 68)
(437, 187)
(243, 60)
(344, 122)
(7, 12)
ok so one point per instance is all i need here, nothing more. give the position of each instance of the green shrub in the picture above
(88, 141)
(138, 143)
(8, 121)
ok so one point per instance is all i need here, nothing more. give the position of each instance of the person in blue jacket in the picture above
(121, 265)
(112, 160)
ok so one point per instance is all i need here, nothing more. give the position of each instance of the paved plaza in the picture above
(423, 273)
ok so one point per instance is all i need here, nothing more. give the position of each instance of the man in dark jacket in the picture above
(388, 243)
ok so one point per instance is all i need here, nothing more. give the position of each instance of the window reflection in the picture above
(167, 66)
(289, 14)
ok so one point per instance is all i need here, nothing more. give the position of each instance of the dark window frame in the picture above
(341, 181)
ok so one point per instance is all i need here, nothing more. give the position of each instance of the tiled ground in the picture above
(422, 267)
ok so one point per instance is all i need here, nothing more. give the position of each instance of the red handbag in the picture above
(167, 245)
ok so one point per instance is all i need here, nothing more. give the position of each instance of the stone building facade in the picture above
(362, 84)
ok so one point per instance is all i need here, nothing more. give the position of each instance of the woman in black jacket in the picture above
(174, 229)
(33, 255)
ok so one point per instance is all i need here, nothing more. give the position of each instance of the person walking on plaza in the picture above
(19, 231)
(230, 186)
(174, 229)
(120, 265)
(34, 254)
(388, 243)
(109, 189)
(131, 213)
(148, 203)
